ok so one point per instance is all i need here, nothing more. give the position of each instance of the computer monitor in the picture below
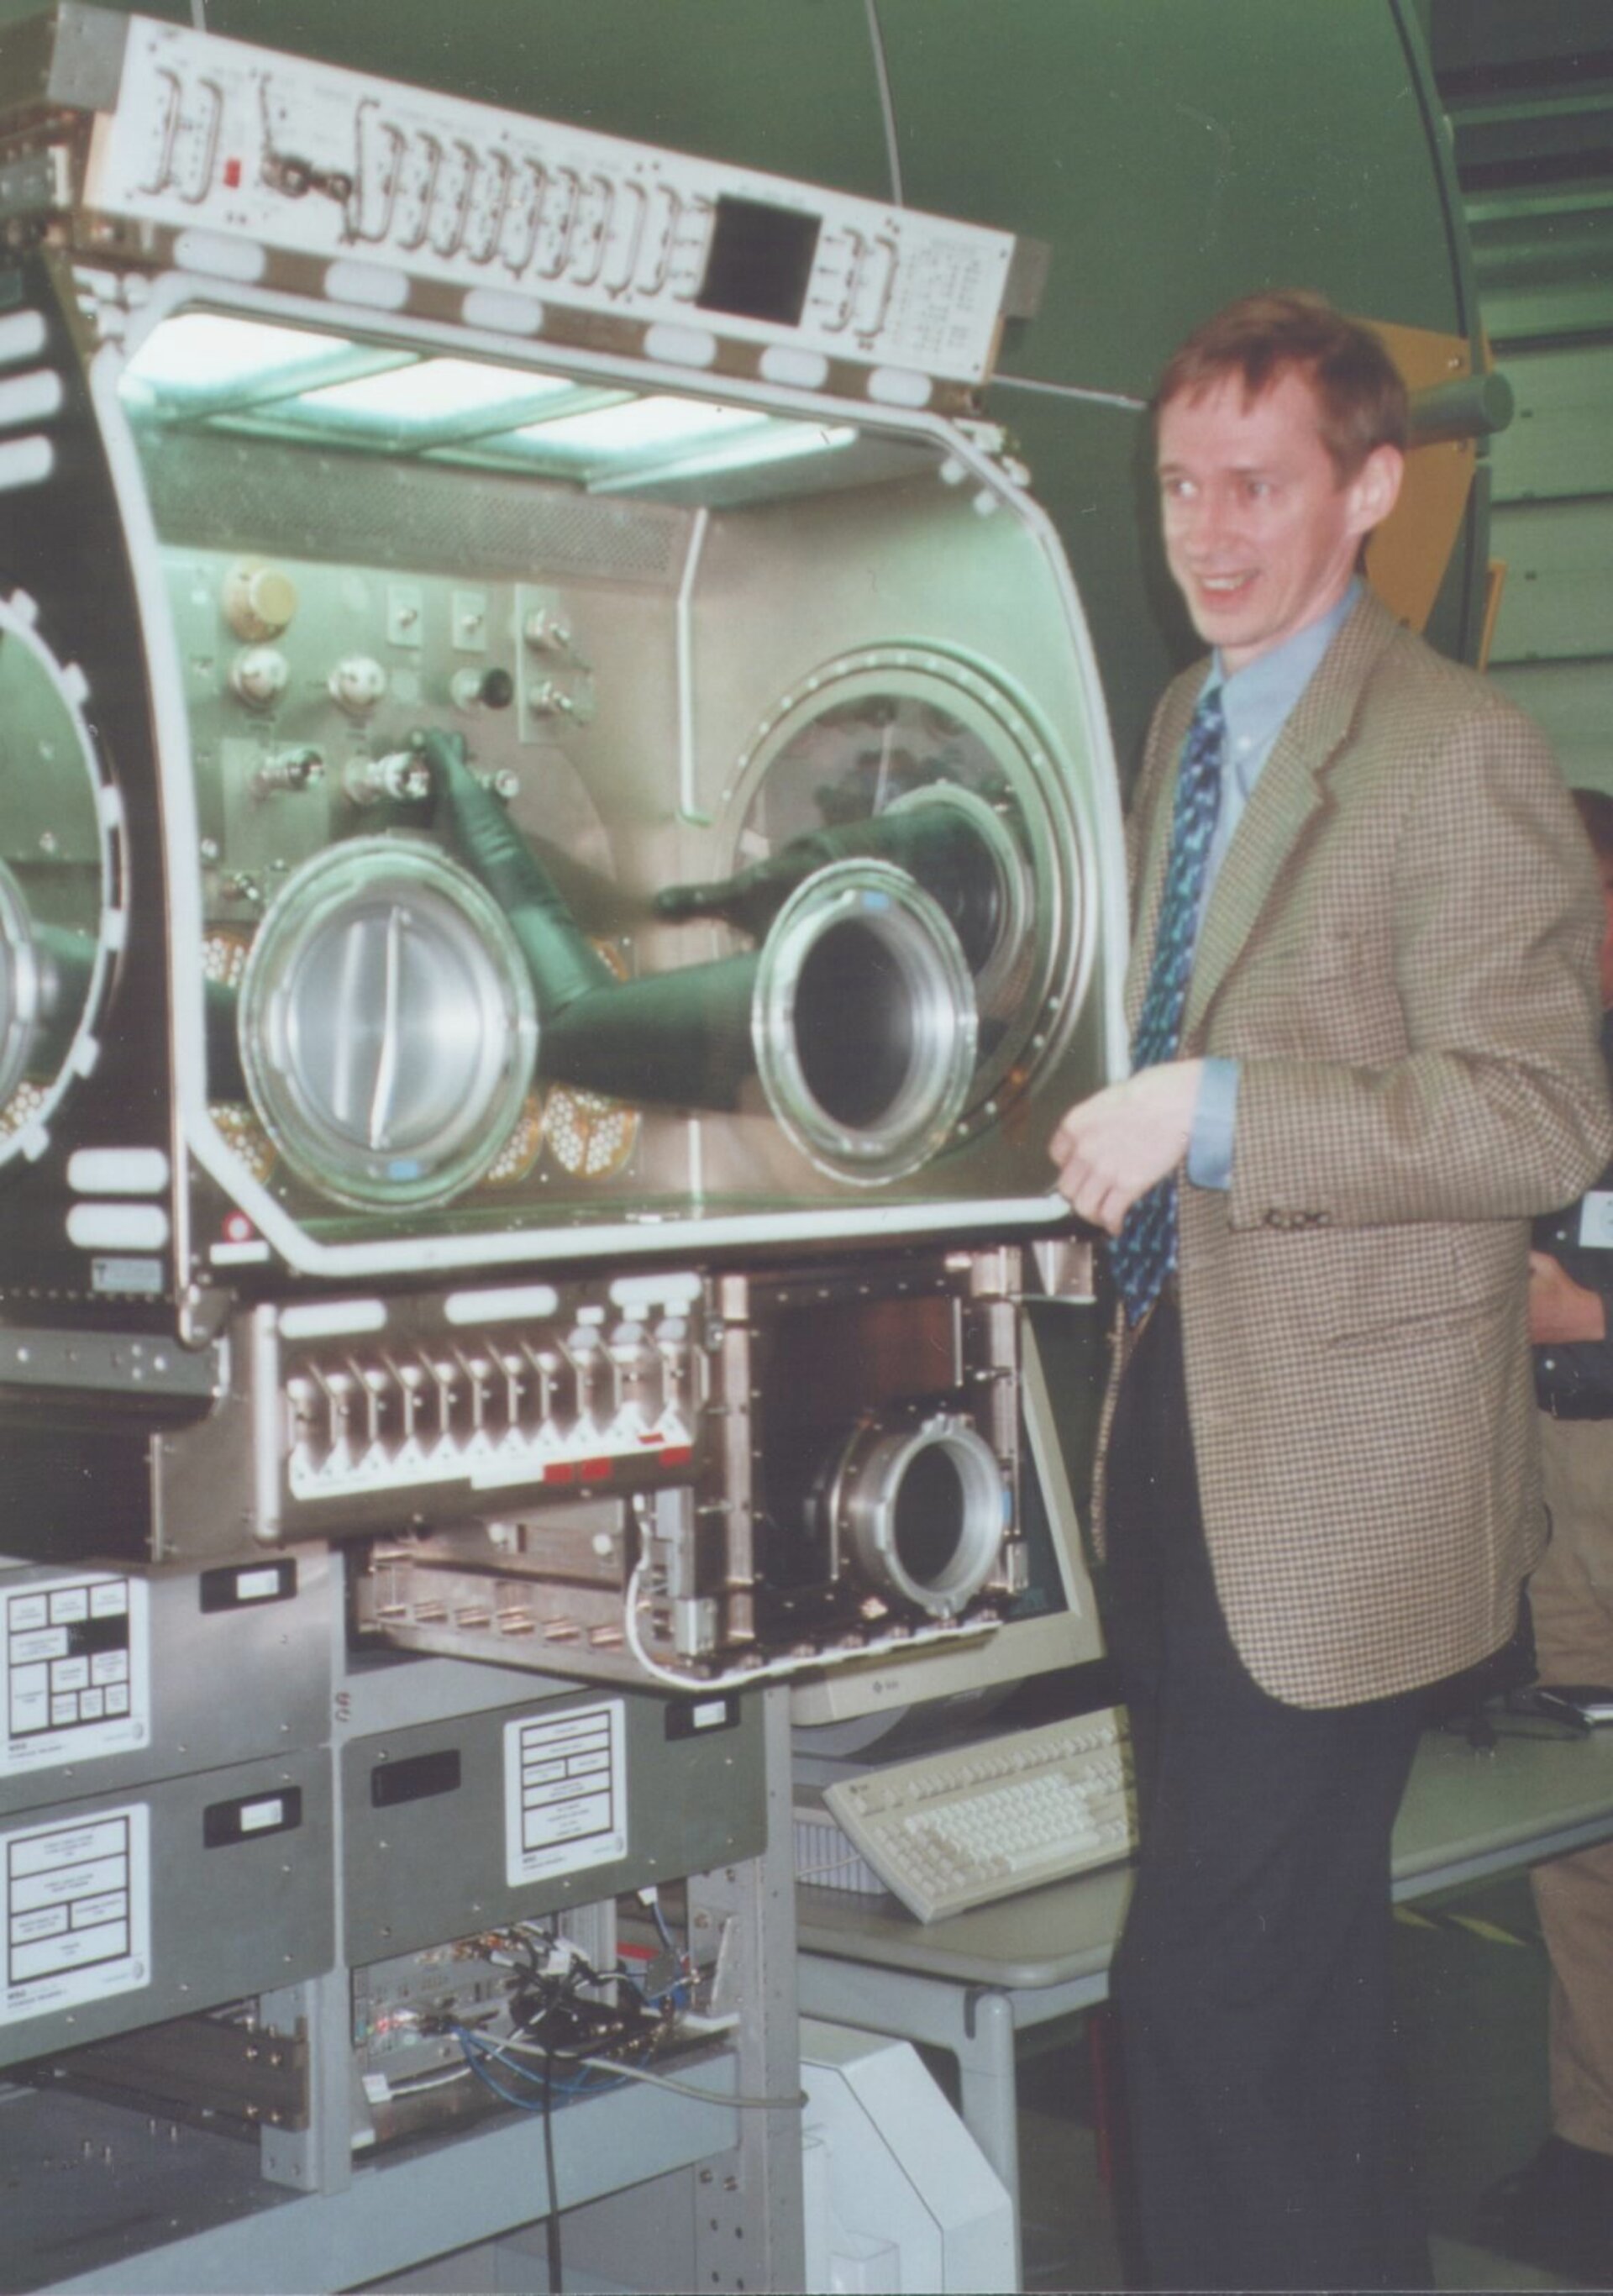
(1054, 1622)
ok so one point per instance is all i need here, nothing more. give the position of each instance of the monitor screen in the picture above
(760, 262)
(1053, 1623)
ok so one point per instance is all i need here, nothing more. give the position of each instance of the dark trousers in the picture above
(1268, 2127)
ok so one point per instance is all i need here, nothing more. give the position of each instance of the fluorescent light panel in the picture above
(244, 366)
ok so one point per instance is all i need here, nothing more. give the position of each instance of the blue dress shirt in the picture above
(1258, 700)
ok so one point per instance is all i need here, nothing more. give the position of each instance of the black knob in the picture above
(497, 689)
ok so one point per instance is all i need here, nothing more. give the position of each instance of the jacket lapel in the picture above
(1289, 791)
(1160, 768)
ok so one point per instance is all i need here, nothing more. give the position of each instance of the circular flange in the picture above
(387, 1026)
(924, 1509)
(1000, 964)
(882, 726)
(863, 1022)
(21, 987)
(60, 918)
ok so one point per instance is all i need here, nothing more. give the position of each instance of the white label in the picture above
(1596, 1221)
(132, 1275)
(75, 1912)
(257, 1585)
(565, 1792)
(75, 1671)
(257, 1816)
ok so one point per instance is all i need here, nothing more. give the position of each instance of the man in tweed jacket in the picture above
(1318, 1486)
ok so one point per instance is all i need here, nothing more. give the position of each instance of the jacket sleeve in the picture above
(1494, 1104)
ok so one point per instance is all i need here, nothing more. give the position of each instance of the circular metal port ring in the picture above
(387, 1025)
(863, 1022)
(924, 1509)
(1010, 871)
(20, 985)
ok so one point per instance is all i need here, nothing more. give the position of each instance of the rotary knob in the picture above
(259, 675)
(358, 683)
(259, 600)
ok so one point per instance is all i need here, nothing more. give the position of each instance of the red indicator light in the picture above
(232, 175)
(677, 1455)
(238, 1228)
(595, 1471)
(560, 1470)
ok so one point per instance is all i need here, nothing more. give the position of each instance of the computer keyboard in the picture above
(950, 1831)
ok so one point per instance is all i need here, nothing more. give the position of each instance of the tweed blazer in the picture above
(1400, 951)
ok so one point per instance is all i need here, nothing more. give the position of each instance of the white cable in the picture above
(795, 2104)
(416, 2084)
(775, 1669)
(887, 110)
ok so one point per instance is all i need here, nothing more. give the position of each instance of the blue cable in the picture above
(679, 1989)
(474, 2047)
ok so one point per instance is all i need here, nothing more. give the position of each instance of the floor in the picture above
(1473, 1986)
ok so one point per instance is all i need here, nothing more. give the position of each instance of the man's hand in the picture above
(1559, 1309)
(1110, 1149)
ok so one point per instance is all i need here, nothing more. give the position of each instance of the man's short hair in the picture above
(1596, 811)
(1360, 399)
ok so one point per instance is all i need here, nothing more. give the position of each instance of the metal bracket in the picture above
(127, 1363)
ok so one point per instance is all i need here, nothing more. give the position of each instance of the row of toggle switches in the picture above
(493, 1409)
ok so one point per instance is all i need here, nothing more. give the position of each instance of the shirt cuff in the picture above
(1210, 1147)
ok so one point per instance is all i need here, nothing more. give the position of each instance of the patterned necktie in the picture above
(1144, 1252)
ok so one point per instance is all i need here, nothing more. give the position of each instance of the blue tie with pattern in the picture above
(1144, 1252)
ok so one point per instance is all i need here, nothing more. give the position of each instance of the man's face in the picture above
(1260, 535)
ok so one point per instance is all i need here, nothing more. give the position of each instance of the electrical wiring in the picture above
(506, 2050)
(679, 1989)
(475, 2048)
(546, 2090)
(552, 2240)
(521, 2103)
(515, 2047)
(417, 2083)
(614, 2069)
(795, 2104)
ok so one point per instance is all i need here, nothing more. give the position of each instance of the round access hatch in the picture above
(881, 748)
(387, 1026)
(59, 863)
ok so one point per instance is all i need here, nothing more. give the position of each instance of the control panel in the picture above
(213, 136)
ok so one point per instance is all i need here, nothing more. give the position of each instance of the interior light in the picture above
(256, 375)
(775, 442)
(642, 426)
(433, 389)
(201, 351)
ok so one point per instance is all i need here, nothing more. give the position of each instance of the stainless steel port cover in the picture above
(387, 1025)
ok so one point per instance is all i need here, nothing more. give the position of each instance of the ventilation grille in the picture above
(224, 494)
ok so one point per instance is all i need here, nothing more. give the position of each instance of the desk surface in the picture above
(1465, 1815)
